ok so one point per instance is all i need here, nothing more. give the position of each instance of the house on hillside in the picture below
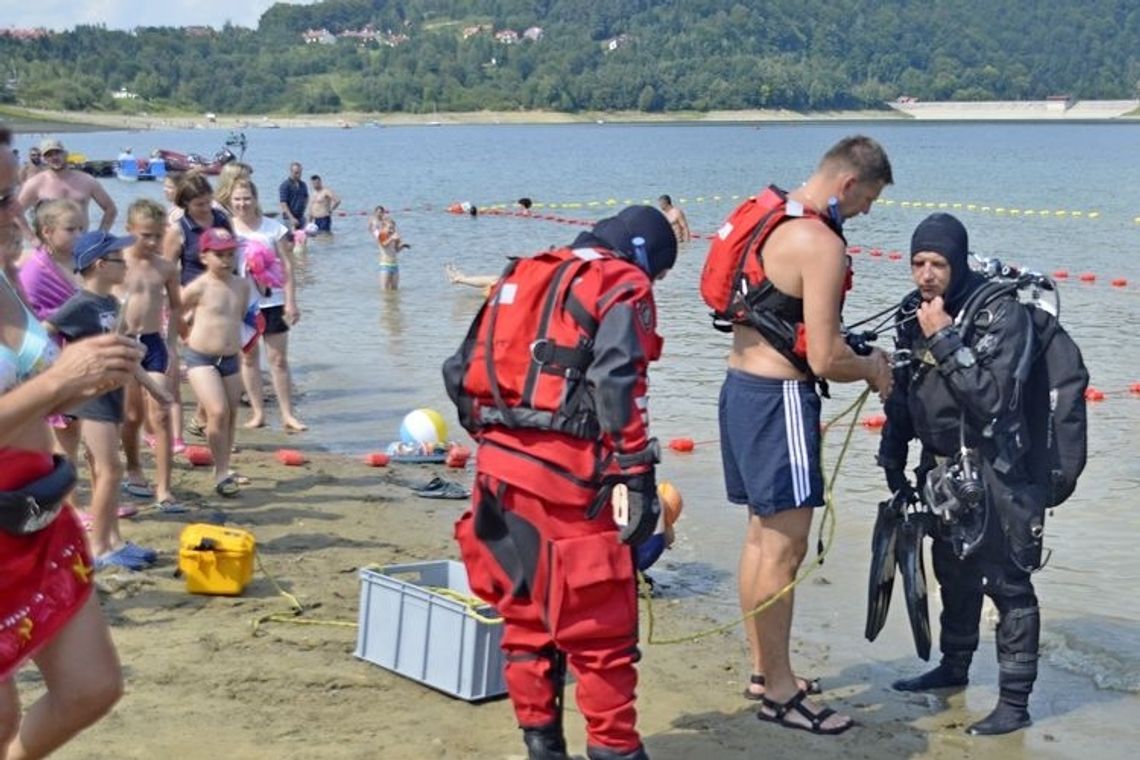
(507, 36)
(471, 31)
(198, 31)
(320, 36)
(124, 94)
(24, 34)
(362, 36)
(534, 34)
(615, 43)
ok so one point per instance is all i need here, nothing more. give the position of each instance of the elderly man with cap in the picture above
(565, 484)
(60, 181)
(958, 395)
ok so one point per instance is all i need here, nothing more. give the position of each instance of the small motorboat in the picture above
(176, 161)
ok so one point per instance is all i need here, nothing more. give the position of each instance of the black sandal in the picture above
(811, 686)
(780, 712)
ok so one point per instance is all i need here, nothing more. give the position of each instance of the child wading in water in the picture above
(383, 229)
(215, 303)
(151, 286)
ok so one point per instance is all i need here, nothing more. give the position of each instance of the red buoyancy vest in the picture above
(519, 381)
(733, 282)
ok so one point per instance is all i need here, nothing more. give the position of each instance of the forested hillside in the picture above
(650, 55)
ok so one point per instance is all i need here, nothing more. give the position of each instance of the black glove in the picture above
(898, 483)
(644, 508)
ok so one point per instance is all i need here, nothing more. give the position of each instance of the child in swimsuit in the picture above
(383, 229)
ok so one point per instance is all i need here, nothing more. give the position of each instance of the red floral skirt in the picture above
(45, 577)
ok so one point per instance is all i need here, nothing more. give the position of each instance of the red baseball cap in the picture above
(217, 239)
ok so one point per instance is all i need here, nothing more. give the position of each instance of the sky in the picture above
(127, 14)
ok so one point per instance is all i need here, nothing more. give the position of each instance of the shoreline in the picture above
(33, 120)
(291, 686)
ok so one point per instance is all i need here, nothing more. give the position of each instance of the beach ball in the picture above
(423, 426)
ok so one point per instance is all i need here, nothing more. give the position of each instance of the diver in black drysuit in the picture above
(946, 379)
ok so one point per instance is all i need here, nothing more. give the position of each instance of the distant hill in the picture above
(574, 55)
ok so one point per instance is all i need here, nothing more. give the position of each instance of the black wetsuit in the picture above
(945, 379)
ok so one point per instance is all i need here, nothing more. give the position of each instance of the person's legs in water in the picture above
(774, 550)
(102, 442)
(960, 586)
(251, 380)
(84, 681)
(277, 354)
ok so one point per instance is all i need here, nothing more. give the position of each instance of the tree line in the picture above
(678, 55)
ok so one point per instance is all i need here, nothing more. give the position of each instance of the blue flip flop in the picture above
(122, 557)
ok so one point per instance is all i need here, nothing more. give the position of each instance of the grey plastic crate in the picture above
(425, 636)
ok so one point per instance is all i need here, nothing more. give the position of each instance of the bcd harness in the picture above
(733, 282)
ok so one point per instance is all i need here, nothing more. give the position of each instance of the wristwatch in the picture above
(965, 357)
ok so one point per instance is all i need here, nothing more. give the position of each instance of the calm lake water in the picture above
(1048, 196)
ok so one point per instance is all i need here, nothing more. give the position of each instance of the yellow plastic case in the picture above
(215, 559)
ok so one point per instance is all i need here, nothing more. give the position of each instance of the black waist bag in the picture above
(33, 507)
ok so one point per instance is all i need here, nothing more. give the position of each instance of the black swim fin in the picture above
(912, 531)
(881, 581)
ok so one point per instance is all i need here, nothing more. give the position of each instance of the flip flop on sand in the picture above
(228, 487)
(138, 490)
(448, 490)
(169, 506)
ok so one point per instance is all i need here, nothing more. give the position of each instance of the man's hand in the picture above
(932, 316)
(881, 376)
(636, 508)
(90, 367)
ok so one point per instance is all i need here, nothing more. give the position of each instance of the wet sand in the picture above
(202, 684)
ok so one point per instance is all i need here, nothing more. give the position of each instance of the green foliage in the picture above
(673, 55)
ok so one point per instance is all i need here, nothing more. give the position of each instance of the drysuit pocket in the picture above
(592, 589)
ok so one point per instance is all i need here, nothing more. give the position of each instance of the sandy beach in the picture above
(42, 120)
(201, 683)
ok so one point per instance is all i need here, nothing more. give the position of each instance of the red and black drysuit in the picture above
(540, 542)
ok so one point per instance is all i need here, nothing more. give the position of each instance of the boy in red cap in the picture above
(214, 304)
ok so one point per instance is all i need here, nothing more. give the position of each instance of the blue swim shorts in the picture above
(770, 443)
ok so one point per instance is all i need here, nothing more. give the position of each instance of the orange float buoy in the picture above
(874, 421)
(682, 445)
(854, 249)
(1088, 277)
(894, 256)
(199, 456)
(377, 459)
(290, 457)
(1120, 282)
(876, 253)
(457, 457)
(1061, 274)
(1093, 394)
(671, 501)
(1134, 388)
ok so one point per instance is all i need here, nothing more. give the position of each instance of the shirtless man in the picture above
(676, 218)
(770, 411)
(216, 302)
(150, 286)
(34, 166)
(322, 202)
(61, 182)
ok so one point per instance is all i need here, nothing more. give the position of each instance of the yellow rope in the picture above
(296, 608)
(828, 520)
